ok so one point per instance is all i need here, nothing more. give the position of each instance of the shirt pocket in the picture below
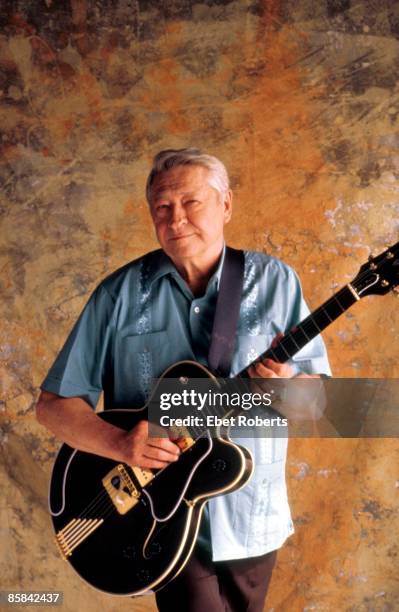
(139, 359)
(144, 342)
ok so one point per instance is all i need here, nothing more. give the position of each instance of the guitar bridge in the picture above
(121, 489)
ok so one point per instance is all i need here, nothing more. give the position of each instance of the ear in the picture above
(227, 205)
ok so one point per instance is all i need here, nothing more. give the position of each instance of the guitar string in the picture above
(100, 503)
(322, 309)
(309, 328)
(308, 325)
(103, 497)
(234, 381)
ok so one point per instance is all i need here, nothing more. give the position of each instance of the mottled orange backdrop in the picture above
(300, 99)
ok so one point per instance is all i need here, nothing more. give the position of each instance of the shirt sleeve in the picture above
(312, 358)
(79, 368)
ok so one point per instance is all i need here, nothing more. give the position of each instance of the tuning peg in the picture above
(389, 255)
(370, 258)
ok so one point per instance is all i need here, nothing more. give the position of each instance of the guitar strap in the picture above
(226, 314)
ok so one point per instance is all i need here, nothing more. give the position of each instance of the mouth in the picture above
(181, 237)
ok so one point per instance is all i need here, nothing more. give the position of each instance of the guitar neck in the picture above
(309, 328)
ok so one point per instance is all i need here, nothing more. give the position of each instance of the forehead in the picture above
(180, 180)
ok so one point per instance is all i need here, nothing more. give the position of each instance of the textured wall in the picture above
(301, 100)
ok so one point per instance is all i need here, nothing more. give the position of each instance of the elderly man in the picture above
(157, 310)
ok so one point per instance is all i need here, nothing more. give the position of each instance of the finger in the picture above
(283, 370)
(152, 463)
(259, 370)
(153, 452)
(165, 444)
(277, 339)
(303, 375)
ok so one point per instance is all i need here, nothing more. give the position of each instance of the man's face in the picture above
(188, 214)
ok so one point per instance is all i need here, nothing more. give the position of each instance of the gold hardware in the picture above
(389, 255)
(182, 437)
(184, 443)
(115, 483)
(74, 533)
(373, 266)
(384, 283)
(143, 476)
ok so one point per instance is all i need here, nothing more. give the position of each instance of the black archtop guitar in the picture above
(128, 531)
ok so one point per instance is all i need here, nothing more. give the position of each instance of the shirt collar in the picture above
(162, 265)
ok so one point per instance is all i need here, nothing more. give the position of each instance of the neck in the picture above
(197, 271)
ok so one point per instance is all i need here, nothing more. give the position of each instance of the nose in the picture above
(178, 217)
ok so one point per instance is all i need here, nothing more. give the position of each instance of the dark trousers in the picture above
(225, 586)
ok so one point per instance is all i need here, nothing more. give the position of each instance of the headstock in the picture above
(379, 275)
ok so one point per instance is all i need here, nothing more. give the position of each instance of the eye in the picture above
(161, 207)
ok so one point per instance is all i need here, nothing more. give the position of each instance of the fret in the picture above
(339, 303)
(284, 349)
(270, 353)
(278, 354)
(289, 345)
(300, 327)
(323, 318)
(299, 337)
(325, 311)
(309, 333)
(334, 309)
(292, 337)
(308, 329)
(313, 320)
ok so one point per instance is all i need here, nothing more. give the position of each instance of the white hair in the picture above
(170, 158)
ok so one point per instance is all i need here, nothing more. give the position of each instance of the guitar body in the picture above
(128, 531)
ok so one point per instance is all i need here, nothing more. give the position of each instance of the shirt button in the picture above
(196, 309)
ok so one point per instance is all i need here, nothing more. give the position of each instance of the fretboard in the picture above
(309, 328)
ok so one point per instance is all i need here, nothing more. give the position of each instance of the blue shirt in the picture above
(144, 317)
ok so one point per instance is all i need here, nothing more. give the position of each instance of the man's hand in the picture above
(73, 421)
(270, 369)
(300, 402)
(140, 450)
(267, 368)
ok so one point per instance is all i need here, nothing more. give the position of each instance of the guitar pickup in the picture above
(142, 475)
(121, 489)
(181, 437)
(184, 443)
